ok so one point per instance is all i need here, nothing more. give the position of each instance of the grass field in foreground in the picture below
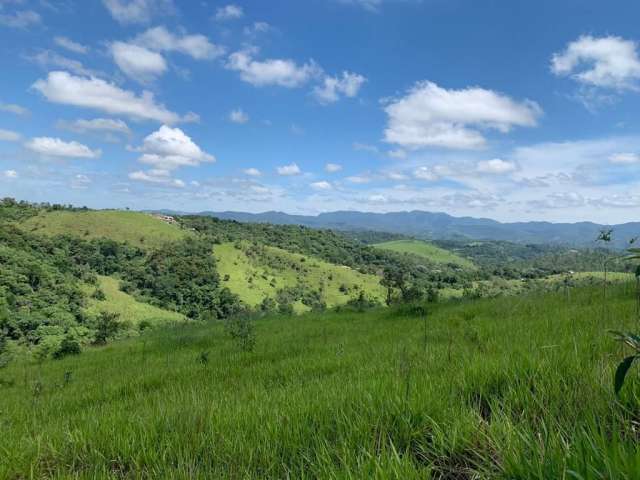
(129, 309)
(426, 250)
(253, 279)
(139, 229)
(507, 388)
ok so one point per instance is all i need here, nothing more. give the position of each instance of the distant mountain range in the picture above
(431, 225)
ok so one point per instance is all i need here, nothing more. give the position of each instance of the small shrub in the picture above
(106, 327)
(242, 331)
(68, 346)
(99, 295)
(144, 325)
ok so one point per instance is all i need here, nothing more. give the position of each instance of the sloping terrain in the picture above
(139, 229)
(490, 389)
(258, 272)
(425, 250)
(128, 308)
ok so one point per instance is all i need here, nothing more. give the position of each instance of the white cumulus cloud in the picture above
(229, 12)
(496, 166)
(157, 176)
(137, 62)
(252, 172)
(425, 173)
(9, 136)
(432, 116)
(322, 185)
(238, 116)
(162, 40)
(137, 11)
(20, 19)
(169, 148)
(280, 72)
(70, 45)
(10, 174)
(13, 108)
(98, 94)
(96, 125)
(332, 167)
(610, 62)
(56, 147)
(333, 87)
(624, 158)
(289, 170)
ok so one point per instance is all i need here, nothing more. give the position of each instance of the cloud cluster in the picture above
(333, 87)
(238, 116)
(280, 72)
(20, 19)
(229, 12)
(195, 45)
(137, 11)
(432, 116)
(137, 62)
(289, 170)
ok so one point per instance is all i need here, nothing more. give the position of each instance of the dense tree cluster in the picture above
(42, 298)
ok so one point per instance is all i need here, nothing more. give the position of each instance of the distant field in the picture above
(426, 250)
(139, 229)
(253, 279)
(129, 309)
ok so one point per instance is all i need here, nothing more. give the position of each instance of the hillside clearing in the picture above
(139, 229)
(255, 274)
(128, 308)
(426, 250)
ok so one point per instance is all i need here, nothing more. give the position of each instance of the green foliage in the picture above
(242, 330)
(182, 276)
(69, 346)
(632, 341)
(106, 327)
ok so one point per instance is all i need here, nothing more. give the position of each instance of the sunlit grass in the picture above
(253, 279)
(513, 387)
(139, 229)
(426, 250)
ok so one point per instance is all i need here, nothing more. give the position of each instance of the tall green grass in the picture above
(515, 387)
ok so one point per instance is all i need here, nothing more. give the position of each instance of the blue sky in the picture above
(509, 110)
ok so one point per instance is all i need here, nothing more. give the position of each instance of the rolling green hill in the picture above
(254, 273)
(426, 250)
(139, 229)
(128, 308)
(490, 389)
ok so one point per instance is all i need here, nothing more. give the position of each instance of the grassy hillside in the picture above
(255, 276)
(503, 388)
(426, 250)
(129, 309)
(138, 229)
